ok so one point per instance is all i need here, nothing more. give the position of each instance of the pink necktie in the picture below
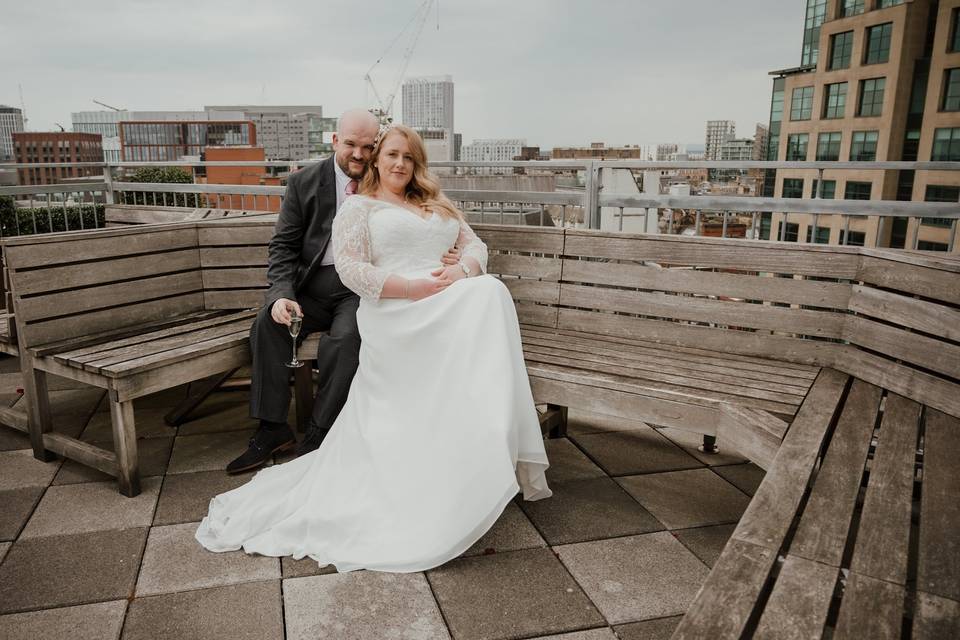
(351, 187)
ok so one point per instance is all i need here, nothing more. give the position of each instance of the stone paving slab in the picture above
(511, 532)
(207, 452)
(362, 605)
(303, 568)
(99, 621)
(691, 498)
(746, 477)
(581, 422)
(658, 629)
(185, 497)
(21, 469)
(637, 577)
(16, 505)
(149, 424)
(4, 547)
(640, 451)
(43, 573)
(165, 400)
(249, 611)
(223, 411)
(604, 633)
(152, 455)
(589, 510)
(92, 506)
(690, 442)
(568, 463)
(511, 595)
(706, 542)
(175, 561)
(12, 440)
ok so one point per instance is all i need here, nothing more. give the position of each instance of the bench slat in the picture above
(665, 332)
(798, 605)
(822, 534)
(96, 245)
(212, 257)
(930, 353)
(938, 570)
(930, 283)
(242, 278)
(928, 317)
(935, 618)
(181, 354)
(824, 324)
(79, 302)
(524, 266)
(871, 608)
(748, 396)
(881, 548)
(739, 365)
(726, 600)
(624, 357)
(159, 346)
(788, 290)
(774, 506)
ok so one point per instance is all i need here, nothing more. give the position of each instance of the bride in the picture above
(439, 430)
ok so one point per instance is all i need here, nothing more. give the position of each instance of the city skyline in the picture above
(559, 58)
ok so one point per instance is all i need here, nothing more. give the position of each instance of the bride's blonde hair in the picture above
(423, 189)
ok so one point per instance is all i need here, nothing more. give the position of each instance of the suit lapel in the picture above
(327, 190)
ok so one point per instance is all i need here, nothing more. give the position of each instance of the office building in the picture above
(428, 108)
(11, 121)
(286, 132)
(56, 146)
(878, 81)
(145, 141)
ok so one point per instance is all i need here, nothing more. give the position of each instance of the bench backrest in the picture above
(67, 285)
(233, 261)
(120, 215)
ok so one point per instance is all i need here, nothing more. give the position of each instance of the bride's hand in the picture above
(449, 274)
(452, 256)
(426, 287)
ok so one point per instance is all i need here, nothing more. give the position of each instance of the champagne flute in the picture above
(294, 328)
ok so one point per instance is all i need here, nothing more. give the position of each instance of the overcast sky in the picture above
(556, 72)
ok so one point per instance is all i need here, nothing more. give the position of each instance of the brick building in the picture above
(56, 146)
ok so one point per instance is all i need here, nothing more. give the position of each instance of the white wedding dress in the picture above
(439, 430)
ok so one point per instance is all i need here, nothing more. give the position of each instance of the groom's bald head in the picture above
(353, 142)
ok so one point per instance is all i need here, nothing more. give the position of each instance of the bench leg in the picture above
(125, 445)
(39, 419)
(178, 415)
(709, 444)
(556, 421)
(303, 393)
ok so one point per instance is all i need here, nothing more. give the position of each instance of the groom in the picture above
(303, 281)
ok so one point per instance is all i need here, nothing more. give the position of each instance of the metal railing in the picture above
(583, 197)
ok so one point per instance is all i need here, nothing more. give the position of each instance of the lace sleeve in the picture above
(351, 251)
(471, 245)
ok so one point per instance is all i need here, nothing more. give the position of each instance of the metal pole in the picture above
(108, 182)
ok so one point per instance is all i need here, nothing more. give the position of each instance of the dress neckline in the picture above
(383, 204)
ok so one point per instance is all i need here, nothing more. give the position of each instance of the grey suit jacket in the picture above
(303, 229)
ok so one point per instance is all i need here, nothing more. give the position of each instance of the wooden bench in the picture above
(126, 310)
(121, 215)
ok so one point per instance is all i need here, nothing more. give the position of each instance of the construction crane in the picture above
(103, 104)
(384, 110)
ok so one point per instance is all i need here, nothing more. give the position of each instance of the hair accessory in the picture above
(383, 131)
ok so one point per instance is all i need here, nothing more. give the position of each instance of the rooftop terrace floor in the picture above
(638, 517)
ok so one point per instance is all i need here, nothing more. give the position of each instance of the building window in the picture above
(857, 191)
(850, 8)
(878, 43)
(883, 4)
(797, 146)
(801, 105)
(871, 97)
(946, 145)
(863, 146)
(816, 13)
(955, 31)
(841, 47)
(828, 146)
(829, 190)
(792, 188)
(924, 245)
(835, 100)
(951, 90)
(939, 193)
(855, 238)
(789, 231)
(823, 235)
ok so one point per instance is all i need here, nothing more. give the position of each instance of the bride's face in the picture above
(395, 163)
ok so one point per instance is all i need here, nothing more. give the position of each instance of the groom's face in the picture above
(353, 147)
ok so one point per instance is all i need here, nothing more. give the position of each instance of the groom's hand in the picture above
(452, 256)
(283, 309)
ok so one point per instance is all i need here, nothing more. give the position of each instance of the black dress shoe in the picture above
(312, 440)
(262, 445)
